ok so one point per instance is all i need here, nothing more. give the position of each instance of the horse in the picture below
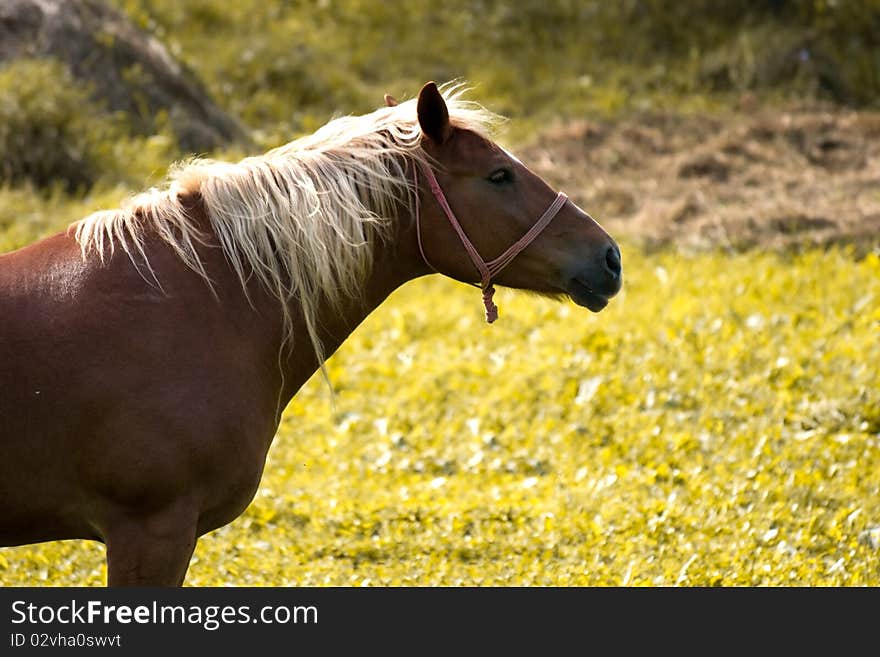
(147, 352)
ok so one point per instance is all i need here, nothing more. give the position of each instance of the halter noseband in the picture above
(487, 270)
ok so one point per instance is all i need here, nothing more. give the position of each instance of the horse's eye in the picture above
(501, 176)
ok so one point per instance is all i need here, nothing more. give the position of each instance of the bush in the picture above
(287, 63)
(50, 130)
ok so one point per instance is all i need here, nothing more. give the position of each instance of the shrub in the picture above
(50, 130)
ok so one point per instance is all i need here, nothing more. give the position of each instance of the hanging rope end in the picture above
(491, 308)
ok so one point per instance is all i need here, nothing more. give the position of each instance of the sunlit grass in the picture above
(719, 423)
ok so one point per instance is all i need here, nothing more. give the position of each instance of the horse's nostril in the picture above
(612, 260)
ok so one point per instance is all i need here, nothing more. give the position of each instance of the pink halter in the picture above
(487, 270)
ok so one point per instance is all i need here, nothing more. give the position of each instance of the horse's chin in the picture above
(584, 296)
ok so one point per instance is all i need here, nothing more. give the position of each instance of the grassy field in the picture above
(716, 425)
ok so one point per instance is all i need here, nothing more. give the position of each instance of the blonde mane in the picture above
(300, 218)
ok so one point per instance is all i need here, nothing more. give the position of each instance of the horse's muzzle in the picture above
(594, 286)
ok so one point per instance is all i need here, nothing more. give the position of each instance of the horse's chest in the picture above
(230, 478)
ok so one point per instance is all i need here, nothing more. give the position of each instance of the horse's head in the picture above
(498, 201)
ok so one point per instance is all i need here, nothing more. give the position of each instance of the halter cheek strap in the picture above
(488, 270)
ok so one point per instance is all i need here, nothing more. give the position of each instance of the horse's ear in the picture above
(433, 115)
(390, 101)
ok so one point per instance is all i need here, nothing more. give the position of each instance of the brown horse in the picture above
(146, 353)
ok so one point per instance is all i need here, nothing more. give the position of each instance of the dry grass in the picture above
(767, 178)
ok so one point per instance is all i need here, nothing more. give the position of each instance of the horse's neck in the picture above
(395, 261)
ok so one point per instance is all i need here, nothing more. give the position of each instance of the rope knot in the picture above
(491, 308)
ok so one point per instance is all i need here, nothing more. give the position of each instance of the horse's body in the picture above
(142, 377)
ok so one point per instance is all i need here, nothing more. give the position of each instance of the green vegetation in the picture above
(284, 68)
(50, 131)
(293, 63)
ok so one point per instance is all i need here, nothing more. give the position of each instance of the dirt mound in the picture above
(771, 178)
(128, 69)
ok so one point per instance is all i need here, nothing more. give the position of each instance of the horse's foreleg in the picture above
(151, 551)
